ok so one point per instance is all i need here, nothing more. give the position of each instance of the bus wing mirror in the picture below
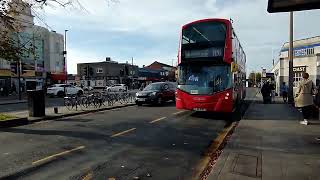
(234, 67)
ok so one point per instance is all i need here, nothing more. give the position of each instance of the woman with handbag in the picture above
(304, 97)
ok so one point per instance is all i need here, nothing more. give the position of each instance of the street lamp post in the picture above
(65, 53)
(65, 59)
(290, 95)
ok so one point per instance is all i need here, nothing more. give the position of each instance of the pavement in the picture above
(21, 109)
(12, 99)
(270, 144)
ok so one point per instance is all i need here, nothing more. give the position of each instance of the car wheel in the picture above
(139, 103)
(159, 100)
(60, 94)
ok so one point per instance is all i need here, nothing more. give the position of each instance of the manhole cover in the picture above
(247, 165)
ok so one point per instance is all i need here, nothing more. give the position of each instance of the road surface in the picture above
(147, 142)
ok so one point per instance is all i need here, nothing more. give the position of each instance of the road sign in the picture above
(264, 73)
(234, 67)
(292, 5)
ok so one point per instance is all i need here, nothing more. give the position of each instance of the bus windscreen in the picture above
(204, 79)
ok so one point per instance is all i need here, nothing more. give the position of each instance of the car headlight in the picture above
(137, 94)
(153, 93)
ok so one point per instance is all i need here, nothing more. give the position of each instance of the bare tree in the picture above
(10, 49)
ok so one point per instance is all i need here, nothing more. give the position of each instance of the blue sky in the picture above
(149, 30)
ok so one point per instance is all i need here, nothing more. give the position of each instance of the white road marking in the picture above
(57, 155)
(123, 132)
(156, 120)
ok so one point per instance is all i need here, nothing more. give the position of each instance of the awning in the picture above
(5, 72)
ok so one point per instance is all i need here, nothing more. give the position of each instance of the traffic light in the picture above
(90, 71)
(126, 70)
(85, 71)
(121, 72)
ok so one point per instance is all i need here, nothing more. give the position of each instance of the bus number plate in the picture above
(199, 109)
(194, 92)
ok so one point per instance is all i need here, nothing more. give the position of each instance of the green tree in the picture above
(258, 75)
(254, 78)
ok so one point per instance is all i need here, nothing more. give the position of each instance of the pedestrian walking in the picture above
(273, 91)
(284, 91)
(266, 92)
(304, 97)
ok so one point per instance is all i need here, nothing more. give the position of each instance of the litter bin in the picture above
(36, 103)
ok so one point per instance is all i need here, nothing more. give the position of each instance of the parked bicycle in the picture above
(98, 99)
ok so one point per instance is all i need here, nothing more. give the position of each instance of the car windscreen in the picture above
(151, 87)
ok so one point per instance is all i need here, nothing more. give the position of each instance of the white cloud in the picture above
(158, 23)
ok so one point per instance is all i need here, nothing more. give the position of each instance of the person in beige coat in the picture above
(304, 97)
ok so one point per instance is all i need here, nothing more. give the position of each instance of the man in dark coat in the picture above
(266, 92)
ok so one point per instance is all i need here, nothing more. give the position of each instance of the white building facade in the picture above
(44, 65)
(306, 59)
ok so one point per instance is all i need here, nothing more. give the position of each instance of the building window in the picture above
(297, 77)
(310, 51)
(99, 70)
(297, 74)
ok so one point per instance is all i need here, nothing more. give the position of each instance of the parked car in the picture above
(156, 93)
(58, 90)
(117, 87)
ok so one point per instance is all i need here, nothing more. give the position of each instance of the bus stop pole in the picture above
(290, 97)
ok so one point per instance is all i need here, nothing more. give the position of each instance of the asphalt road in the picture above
(134, 142)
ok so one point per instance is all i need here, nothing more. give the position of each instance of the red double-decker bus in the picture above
(212, 67)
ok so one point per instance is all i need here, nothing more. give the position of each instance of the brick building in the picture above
(167, 72)
(101, 74)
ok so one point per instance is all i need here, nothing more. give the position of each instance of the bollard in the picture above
(55, 109)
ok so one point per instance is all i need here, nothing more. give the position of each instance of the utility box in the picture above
(36, 103)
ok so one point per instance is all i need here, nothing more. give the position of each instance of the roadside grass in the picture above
(6, 117)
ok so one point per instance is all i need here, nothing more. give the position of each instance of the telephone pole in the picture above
(65, 55)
